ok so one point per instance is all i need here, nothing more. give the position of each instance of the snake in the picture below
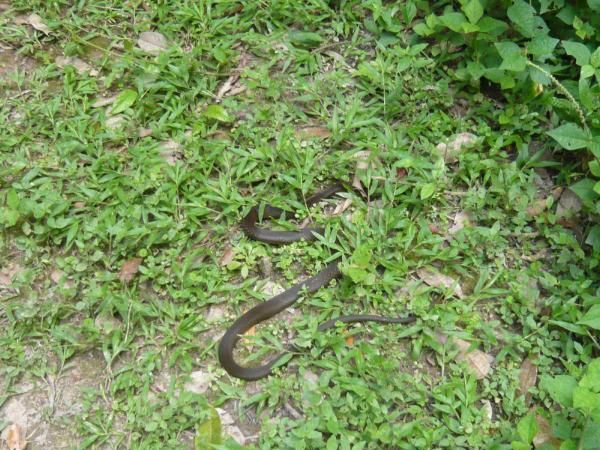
(287, 298)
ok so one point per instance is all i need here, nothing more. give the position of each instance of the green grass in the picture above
(81, 198)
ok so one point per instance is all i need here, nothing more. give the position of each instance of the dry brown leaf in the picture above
(544, 435)
(129, 269)
(80, 65)
(171, 152)
(362, 159)
(104, 101)
(488, 410)
(219, 135)
(199, 382)
(434, 228)
(229, 428)
(36, 22)
(115, 122)
(271, 288)
(227, 256)
(527, 378)
(461, 220)
(8, 273)
(362, 162)
(450, 151)
(14, 438)
(4, 280)
(152, 42)
(480, 362)
(144, 132)
(441, 281)
(230, 86)
(536, 207)
(342, 206)
(349, 340)
(569, 205)
(313, 132)
(57, 275)
(401, 172)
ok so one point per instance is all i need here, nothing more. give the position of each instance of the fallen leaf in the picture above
(152, 42)
(569, 204)
(171, 152)
(271, 288)
(229, 428)
(80, 65)
(527, 378)
(488, 410)
(115, 122)
(4, 280)
(14, 438)
(544, 436)
(479, 362)
(199, 382)
(450, 151)
(438, 280)
(36, 22)
(461, 220)
(312, 132)
(434, 228)
(219, 135)
(230, 86)
(57, 275)
(129, 269)
(227, 256)
(342, 206)
(215, 313)
(362, 159)
(401, 172)
(536, 208)
(8, 273)
(104, 101)
(144, 132)
(349, 340)
(107, 323)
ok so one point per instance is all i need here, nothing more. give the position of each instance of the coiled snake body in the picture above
(287, 298)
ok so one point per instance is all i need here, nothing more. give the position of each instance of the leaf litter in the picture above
(152, 42)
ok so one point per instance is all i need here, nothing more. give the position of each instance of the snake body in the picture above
(287, 298)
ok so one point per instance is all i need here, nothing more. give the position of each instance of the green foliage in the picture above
(536, 45)
(578, 421)
(82, 194)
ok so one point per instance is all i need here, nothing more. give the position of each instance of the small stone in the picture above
(199, 382)
(215, 313)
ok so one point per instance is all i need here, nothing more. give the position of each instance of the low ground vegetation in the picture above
(133, 138)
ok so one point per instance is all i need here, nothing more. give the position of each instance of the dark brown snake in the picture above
(287, 298)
